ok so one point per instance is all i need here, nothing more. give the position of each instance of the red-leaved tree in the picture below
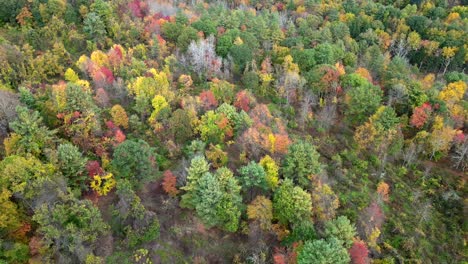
(421, 115)
(208, 100)
(359, 252)
(243, 100)
(169, 183)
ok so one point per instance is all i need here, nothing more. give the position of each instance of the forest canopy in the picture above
(242, 131)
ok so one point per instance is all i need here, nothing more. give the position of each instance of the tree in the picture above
(460, 154)
(301, 232)
(325, 201)
(291, 204)
(103, 184)
(208, 100)
(362, 99)
(214, 127)
(25, 177)
(380, 133)
(452, 94)
(241, 55)
(169, 183)
(94, 27)
(9, 10)
(370, 223)
(239, 120)
(261, 211)
(207, 194)
(134, 160)
(323, 252)
(102, 98)
(187, 35)
(70, 228)
(202, 58)
(215, 197)
(216, 155)
(161, 109)
(229, 206)
(326, 53)
(341, 229)
(448, 53)
(180, 126)
(72, 165)
(271, 171)
(253, 175)
(420, 115)
(359, 253)
(10, 219)
(301, 162)
(78, 99)
(139, 224)
(145, 88)
(222, 90)
(8, 102)
(244, 100)
(32, 136)
(119, 116)
(198, 167)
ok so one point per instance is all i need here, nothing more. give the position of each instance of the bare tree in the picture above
(460, 156)
(397, 94)
(8, 103)
(201, 58)
(308, 101)
(326, 116)
(289, 85)
(400, 48)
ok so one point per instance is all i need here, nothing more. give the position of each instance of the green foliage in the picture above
(215, 197)
(327, 53)
(136, 224)
(323, 252)
(171, 31)
(253, 175)
(303, 231)
(70, 227)
(386, 118)
(134, 160)
(223, 91)
(187, 35)
(241, 55)
(224, 44)
(363, 98)
(72, 164)
(304, 58)
(240, 120)
(9, 9)
(214, 127)
(206, 25)
(25, 177)
(180, 126)
(195, 148)
(14, 252)
(348, 58)
(198, 167)
(251, 81)
(34, 137)
(77, 99)
(301, 162)
(94, 27)
(291, 204)
(341, 229)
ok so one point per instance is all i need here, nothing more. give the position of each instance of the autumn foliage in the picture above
(359, 253)
(169, 183)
